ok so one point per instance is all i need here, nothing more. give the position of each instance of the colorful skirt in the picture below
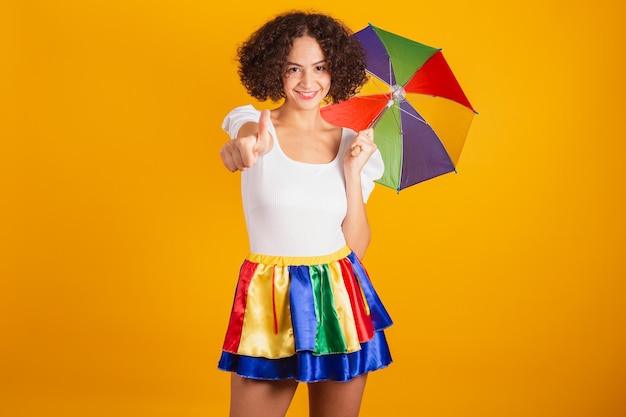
(305, 318)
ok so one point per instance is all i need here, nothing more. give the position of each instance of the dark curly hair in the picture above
(262, 57)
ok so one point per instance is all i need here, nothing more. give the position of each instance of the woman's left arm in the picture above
(356, 228)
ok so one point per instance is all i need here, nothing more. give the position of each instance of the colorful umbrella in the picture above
(419, 112)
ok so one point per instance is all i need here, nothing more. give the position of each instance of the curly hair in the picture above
(263, 56)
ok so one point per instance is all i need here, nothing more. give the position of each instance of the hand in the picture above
(243, 152)
(361, 149)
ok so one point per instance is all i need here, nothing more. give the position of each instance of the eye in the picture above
(320, 68)
(291, 71)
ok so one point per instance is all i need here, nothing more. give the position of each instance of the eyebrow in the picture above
(300, 65)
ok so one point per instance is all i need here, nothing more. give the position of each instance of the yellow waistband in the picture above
(299, 260)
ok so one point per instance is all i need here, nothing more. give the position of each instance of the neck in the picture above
(305, 119)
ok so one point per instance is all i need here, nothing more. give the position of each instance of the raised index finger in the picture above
(263, 122)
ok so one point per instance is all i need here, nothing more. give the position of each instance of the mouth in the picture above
(307, 95)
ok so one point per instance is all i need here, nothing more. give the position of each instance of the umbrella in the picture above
(419, 112)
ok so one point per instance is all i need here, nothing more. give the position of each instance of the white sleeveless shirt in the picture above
(295, 208)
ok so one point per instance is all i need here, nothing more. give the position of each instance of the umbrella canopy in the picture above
(419, 112)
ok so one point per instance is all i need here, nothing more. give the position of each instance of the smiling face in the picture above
(306, 80)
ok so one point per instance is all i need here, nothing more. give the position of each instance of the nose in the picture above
(306, 80)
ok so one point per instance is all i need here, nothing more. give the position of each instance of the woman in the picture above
(304, 308)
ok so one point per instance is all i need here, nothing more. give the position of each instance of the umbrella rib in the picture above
(376, 118)
(397, 119)
(413, 116)
(372, 98)
(384, 89)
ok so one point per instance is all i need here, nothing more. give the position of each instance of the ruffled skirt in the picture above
(305, 318)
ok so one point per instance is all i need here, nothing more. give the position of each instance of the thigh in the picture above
(330, 398)
(258, 398)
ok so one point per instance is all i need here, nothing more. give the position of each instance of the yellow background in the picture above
(121, 234)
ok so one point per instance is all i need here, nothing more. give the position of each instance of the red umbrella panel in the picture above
(419, 112)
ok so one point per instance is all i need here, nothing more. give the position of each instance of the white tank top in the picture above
(295, 208)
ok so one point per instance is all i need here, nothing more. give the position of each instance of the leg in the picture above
(336, 399)
(255, 398)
